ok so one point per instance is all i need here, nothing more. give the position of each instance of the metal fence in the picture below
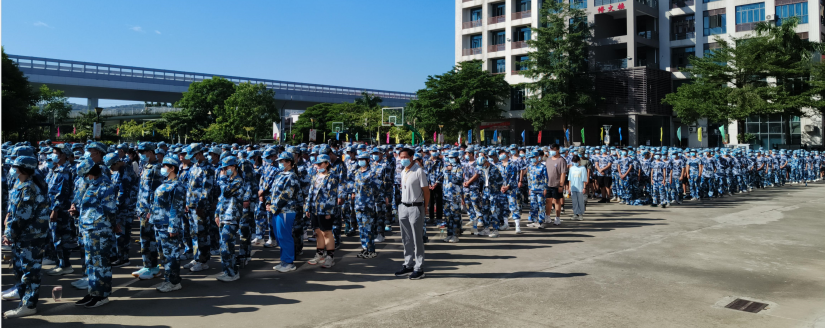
(58, 67)
(107, 112)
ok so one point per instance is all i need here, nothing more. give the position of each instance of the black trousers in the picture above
(437, 203)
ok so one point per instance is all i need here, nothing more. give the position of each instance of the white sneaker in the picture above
(557, 221)
(58, 271)
(48, 262)
(328, 262)
(518, 230)
(19, 312)
(379, 239)
(544, 225)
(505, 227)
(215, 252)
(225, 278)
(485, 232)
(166, 287)
(12, 295)
(190, 264)
(271, 243)
(82, 283)
(453, 239)
(447, 240)
(284, 268)
(257, 242)
(199, 267)
(493, 234)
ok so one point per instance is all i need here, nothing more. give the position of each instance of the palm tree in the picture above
(369, 100)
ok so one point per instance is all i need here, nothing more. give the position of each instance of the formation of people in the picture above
(194, 202)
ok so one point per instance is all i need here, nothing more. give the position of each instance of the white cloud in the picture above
(136, 28)
(41, 24)
(156, 31)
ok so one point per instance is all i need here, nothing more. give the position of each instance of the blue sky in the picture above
(388, 45)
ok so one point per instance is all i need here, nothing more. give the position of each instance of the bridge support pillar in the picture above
(632, 130)
(91, 103)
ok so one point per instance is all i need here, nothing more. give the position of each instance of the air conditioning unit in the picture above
(809, 128)
(769, 17)
(692, 129)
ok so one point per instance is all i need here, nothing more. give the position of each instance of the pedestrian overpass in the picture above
(95, 81)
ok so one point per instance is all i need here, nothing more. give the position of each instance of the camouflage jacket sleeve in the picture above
(176, 213)
(60, 189)
(285, 194)
(21, 210)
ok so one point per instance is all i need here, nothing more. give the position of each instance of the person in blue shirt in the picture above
(97, 206)
(511, 172)
(26, 230)
(167, 215)
(284, 205)
(228, 214)
(453, 176)
(491, 182)
(150, 180)
(61, 191)
(199, 185)
(321, 208)
(658, 174)
(537, 184)
(366, 192)
(126, 185)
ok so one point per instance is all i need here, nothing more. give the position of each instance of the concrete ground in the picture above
(623, 266)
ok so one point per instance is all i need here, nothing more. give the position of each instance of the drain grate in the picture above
(747, 306)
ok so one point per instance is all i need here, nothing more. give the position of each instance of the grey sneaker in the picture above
(317, 259)
(328, 262)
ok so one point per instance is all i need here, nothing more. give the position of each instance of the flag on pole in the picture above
(435, 136)
(396, 138)
(346, 137)
(117, 133)
(699, 132)
(388, 137)
(495, 135)
(74, 129)
(661, 133)
(356, 136)
(601, 138)
(679, 134)
(482, 135)
(469, 136)
(620, 134)
(276, 133)
(522, 137)
(582, 136)
(722, 130)
(337, 136)
(567, 134)
(539, 141)
(459, 138)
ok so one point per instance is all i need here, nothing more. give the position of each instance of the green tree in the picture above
(251, 106)
(200, 106)
(52, 106)
(369, 100)
(558, 66)
(459, 99)
(732, 82)
(18, 98)
(324, 115)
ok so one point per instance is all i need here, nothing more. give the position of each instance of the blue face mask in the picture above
(267, 160)
(87, 154)
(374, 158)
(552, 153)
(312, 159)
(480, 161)
(502, 157)
(534, 160)
(229, 172)
(672, 156)
(362, 163)
(321, 170)
(405, 162)
(576, 164)
(13, 172)
(280, 166)
(467, 156)
(54, 158)
(209, 158)
(521, 155)
(624, 153)
(655, 156)
(144, 158)
(692, 154)
(435, 153)
(164, 172)
(453, 160)
(346, 157)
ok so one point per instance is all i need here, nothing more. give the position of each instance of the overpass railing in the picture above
(59, 67)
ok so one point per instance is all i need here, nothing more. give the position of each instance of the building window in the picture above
(499, 66)
(679, 57)
(683, 27)
(706, 1)
(497, 37)
(517, 96)
(475, 14)
(750, 13)
(580, 4)
(522, 34)
(605, 2)
(797, 9)
(710, 47)
(522, 5)
(714, 22)
(774, 129)
(475, 41)
(521, 62)
(497, 10)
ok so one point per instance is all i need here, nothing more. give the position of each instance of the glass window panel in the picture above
(763, 127)
(795, 128)
(752, 128)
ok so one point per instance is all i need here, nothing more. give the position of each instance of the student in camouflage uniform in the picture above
(167, 221)
(228, 214)
(98, 208)
(382, 202)
(126, 186)
(150, 180)
(320, 207)
(511, 172)
(491, 182)
(61, 191)
(26, 229)
(658, 172)
(283, 205)
(200, 177)
(470, 189)
(365, 196)
(537, 183)
(453, 175)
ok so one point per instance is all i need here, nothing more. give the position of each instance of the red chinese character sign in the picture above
(601, 9)
(610, 8)
(620, 7)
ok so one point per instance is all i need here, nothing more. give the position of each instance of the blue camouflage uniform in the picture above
(284, 204)
(61, 191)
(453, 176)
(201, 177)
(658, 170)
(366, 194)
(229, 212)
(492, 182)
(167, 219)
(150, 180)
(98, 207)
(537, 182)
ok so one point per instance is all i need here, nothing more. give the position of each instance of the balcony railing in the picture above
(646, 63)
(467, 0)
(518, 44)
(499, 73)
(612, 64)
(746, 26)
(517, 72)
(109, 112)
(496, 48)
(650, 35)
(471, 51)
(681, 3)
(471, 24)
(605, 2)
(521, 14)
(496, 20)
(650, 3)
(682, 36)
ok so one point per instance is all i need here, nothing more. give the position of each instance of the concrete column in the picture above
(632, 130)
(91, 103)
(631, 34)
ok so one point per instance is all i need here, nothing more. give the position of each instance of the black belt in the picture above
(413, 204)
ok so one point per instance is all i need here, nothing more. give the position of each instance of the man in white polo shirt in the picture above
(414, 196)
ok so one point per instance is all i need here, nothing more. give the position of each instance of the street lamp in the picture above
(98, 110)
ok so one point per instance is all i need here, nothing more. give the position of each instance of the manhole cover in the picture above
(747, 306)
